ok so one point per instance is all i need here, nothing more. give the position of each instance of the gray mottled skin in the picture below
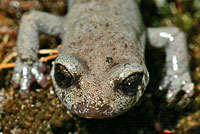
(92, 32)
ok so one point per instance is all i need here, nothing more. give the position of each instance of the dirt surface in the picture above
(41, 111)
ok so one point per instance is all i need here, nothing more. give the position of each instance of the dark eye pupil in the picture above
(129, 86)
(62, 76)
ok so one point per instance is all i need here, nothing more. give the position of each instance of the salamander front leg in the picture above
(28, 68)
(177, 79)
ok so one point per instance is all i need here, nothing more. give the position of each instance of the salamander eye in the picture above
(63, 77)
(131, 84)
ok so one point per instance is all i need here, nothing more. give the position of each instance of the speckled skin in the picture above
(103, 43)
